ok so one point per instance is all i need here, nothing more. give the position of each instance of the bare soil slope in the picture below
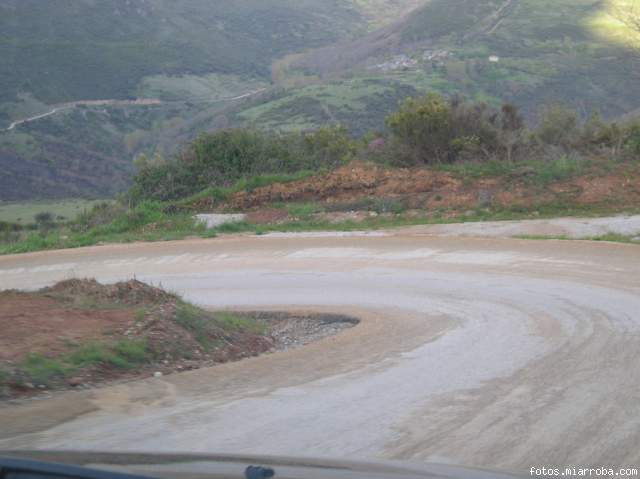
(431, 189)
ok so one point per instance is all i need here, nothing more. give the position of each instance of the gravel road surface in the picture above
(498, 353)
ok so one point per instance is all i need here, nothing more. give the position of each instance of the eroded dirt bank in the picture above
(433, 190)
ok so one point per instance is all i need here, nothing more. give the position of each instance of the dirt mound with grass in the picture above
(80, 334)
(125, 293)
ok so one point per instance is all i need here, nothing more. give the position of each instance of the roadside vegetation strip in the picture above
(300, 218)
(609, 237)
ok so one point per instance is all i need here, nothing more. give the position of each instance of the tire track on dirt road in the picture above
(485, 352)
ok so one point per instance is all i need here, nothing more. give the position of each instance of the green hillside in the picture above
(581, 53)
(313, 62)
(63, 50)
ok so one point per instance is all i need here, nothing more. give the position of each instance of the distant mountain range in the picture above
(282, 64)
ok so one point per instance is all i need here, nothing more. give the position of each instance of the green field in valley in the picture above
(62, 210)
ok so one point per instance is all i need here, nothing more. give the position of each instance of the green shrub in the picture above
(206, 326)
(231, 322)
(41, 370)
(124, 354)
(89, 355)
(632, 139)
(143, 214)
(557, 126)
(326, 147)
(196, 321)
(239, 158)
(423, 126)
(101, 214)
(45, 220)
(432, 130)
(132, 351)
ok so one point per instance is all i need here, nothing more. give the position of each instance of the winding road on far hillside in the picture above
(138, 102)
(489, 352)
(13, 125)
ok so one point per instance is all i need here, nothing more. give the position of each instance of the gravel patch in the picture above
(290, 331)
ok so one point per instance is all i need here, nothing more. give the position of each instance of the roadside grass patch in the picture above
(42, 370)
(206, 327)
(230, 321)
(139, 315)
(617, 238)
(146, 222)
(89, 355)
(124, 354)
(609, 237)
(196, 321)
(129, 353)
(306, 222)
(559, 169)
(303, 210)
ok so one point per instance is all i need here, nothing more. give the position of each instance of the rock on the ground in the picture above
(214, 220)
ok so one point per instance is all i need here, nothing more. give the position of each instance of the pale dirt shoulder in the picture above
(575, 228)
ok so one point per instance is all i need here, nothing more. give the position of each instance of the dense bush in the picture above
(632, 139)
(225, 157)
(432, 130)
(557, 126)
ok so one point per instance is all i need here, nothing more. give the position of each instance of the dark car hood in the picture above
(231, 467)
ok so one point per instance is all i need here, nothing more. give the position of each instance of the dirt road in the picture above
(13, 125)
(485, 352)
(138, 102)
